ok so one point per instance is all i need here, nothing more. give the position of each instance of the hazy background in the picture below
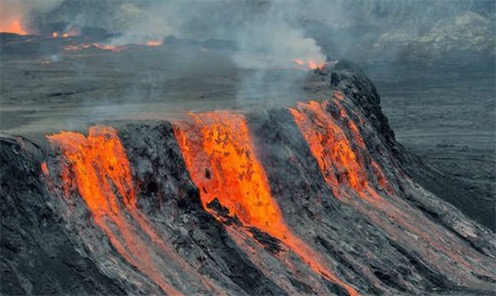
(423, 31)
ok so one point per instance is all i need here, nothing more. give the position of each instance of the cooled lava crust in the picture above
(317, 198)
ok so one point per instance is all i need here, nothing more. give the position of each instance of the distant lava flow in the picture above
(100, 171)
(108, 47)
(70, 33)
(345, 162)
(154, 43)
(312, 65)
(219, 155)
(14, 26)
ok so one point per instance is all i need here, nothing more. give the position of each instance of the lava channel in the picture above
(222, 163)
(346, 172)
(97, 166)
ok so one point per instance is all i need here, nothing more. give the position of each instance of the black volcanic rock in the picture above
(196, 235)
(37, 254)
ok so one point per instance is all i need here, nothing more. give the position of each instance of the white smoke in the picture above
(268, 36)
(268, 46)
(143, 25)
(267, 33)
(273, 43)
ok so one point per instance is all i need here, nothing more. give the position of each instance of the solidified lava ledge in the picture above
(316, 199)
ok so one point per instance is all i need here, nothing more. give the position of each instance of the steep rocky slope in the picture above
(313, 199)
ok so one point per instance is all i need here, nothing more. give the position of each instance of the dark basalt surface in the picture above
(50, 245)
(172, 201)
(38, 256)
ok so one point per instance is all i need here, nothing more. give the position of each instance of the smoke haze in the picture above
(271, 37)
(360, 29)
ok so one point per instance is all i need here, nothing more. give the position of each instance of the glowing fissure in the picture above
(221, 160)
(99, 164)
(346, 173)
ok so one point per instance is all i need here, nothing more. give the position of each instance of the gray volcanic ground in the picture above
(43, 92)
(447, 116)
(93, 85)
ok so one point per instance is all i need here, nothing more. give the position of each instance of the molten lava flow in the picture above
(219, 156)
(312, 65)
(14, 26)
(339, 164)
(100, 167)
(71, 33)
(340, 152)
(224, 166)
(77, 47)
(114, 48)
(153, 43)
(44, 169)
(108, 47)
(46, 173)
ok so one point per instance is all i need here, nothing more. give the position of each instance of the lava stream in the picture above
(222, 163)
(310, 64)
(345, 170)
(100, 169)
(332, 149)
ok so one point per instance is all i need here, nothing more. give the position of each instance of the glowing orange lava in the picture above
(340, 150)
(333, 151)
(13, 27)
(224, 166)
(222, 163)
(153, 43)
(44, 169)
(71, 33)
(77, 47)
(312, 65)
(99, 164)
(114, 48)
